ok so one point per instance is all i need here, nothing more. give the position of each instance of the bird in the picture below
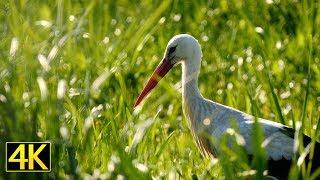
(209, 118)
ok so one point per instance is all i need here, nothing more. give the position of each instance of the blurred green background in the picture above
(71, 70)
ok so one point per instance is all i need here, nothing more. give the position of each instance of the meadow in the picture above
(70, 72)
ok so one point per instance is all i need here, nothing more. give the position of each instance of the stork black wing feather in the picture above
(306, 140)
(277, 168)
(280, 168)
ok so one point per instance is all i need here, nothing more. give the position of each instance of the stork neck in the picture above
(190, 93)
(190, 73)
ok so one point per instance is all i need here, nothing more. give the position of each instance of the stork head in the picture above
(182, 48)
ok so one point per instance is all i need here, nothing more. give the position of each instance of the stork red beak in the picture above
(162, 69)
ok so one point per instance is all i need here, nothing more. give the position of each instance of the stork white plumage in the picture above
(212, 118)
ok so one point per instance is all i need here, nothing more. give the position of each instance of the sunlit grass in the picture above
(70, 72)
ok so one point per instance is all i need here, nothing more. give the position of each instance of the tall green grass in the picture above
(261, 57)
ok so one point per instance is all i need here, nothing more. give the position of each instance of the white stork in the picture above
(212, 118)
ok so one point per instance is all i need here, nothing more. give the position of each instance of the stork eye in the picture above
(172, 49)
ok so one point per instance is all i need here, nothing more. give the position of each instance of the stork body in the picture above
(210, 118)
